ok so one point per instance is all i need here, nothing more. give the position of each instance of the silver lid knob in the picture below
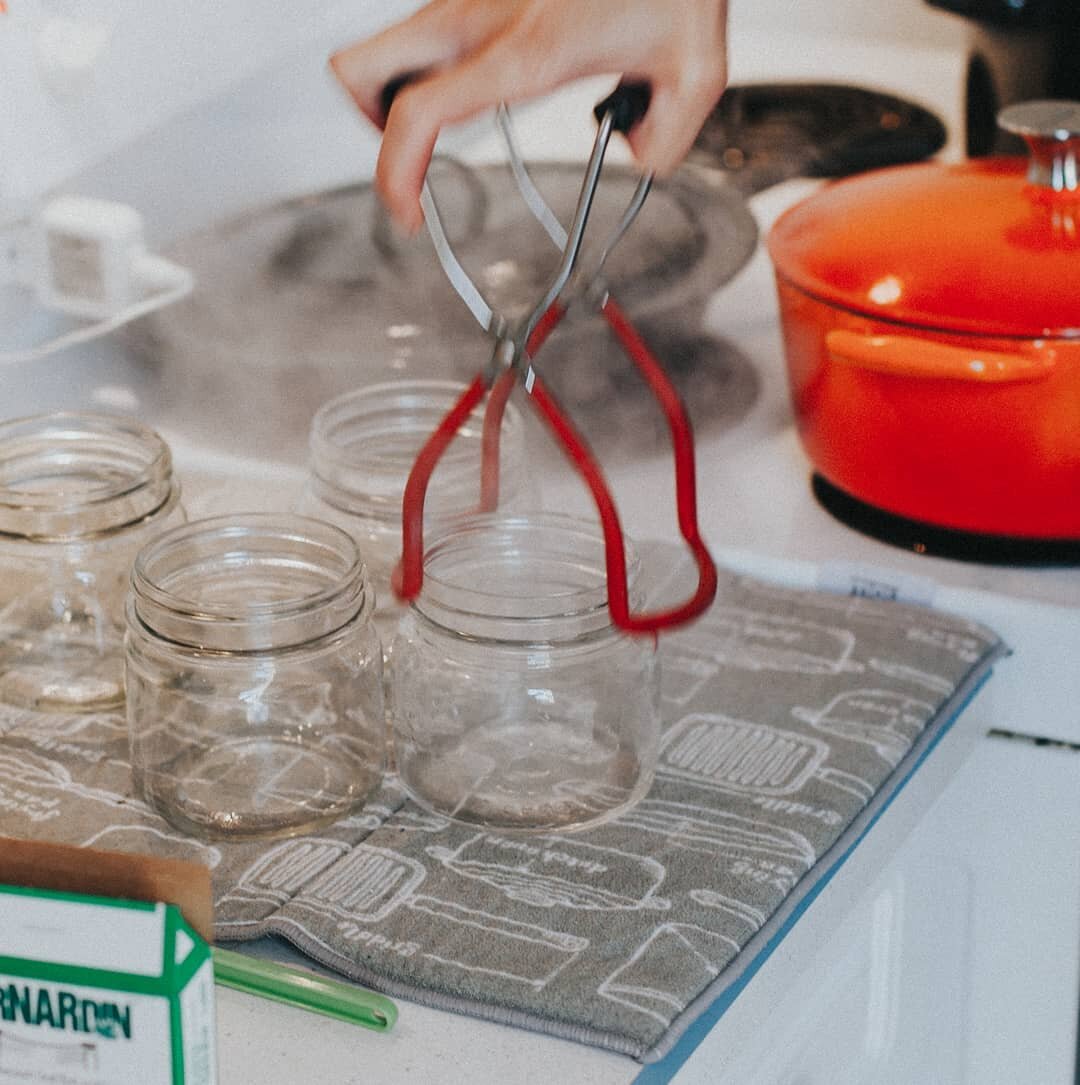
(1052, 132)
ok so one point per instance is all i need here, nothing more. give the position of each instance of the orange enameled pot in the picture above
(931, 319)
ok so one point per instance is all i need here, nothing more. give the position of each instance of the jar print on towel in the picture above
(368, 896)
(750, 846)
(558, 872)
(756, 759)
(886, 721)
(755, 641)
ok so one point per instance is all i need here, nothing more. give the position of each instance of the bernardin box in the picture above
(97, 990)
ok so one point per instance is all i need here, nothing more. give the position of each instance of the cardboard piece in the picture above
(68, 869)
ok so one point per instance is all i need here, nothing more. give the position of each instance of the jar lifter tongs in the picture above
(512, 360)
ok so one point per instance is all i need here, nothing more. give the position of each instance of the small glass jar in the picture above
(254, 676)
(362, 448)
(516, 703)
(80, 493)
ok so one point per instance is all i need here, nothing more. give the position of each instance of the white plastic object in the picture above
(87, 250)
(86, 258)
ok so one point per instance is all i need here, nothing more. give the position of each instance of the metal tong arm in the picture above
(620, 111)
(574, 237)
(459, 278)
(655, 376)
(538, 205)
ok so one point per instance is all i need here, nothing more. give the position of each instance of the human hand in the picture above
(473, 54)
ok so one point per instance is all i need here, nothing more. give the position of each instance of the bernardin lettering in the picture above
(58, 1009)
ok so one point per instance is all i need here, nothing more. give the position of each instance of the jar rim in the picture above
(563, 576)
(362, 445)
(119, 472)
(168, 571)
(374, 401)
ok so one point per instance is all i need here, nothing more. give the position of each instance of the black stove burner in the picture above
(942, 542)
(766, 133)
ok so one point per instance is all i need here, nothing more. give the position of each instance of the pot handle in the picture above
(911, 356)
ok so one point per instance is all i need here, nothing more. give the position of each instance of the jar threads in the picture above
(362, 447)
(516, 703)
(80, 492)
(255, 700)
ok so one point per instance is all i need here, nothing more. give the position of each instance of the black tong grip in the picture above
(627, 104)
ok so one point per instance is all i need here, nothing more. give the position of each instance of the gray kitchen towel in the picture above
(791, 717)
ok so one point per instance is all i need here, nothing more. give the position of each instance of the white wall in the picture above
(82, 77)
(907, 22)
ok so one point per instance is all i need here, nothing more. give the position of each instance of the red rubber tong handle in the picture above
(408, 576)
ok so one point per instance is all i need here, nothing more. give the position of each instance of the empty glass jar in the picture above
(80, 493)
(254, 676)
(362, 448)
(516, 703)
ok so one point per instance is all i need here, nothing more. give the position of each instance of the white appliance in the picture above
(948, 947)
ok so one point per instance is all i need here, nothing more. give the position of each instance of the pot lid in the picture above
(304, 299)
(326, 272)
(988, 246)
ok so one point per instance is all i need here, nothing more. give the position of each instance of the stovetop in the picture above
(755, 481)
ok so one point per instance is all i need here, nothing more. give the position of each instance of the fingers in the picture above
(433, 37)
(505, 70)
(475, 53)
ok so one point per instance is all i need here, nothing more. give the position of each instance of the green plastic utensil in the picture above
(296, 987)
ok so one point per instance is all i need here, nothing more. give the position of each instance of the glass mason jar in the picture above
(80, 493)
(362, 448)
(254, 676)
(516, 703)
